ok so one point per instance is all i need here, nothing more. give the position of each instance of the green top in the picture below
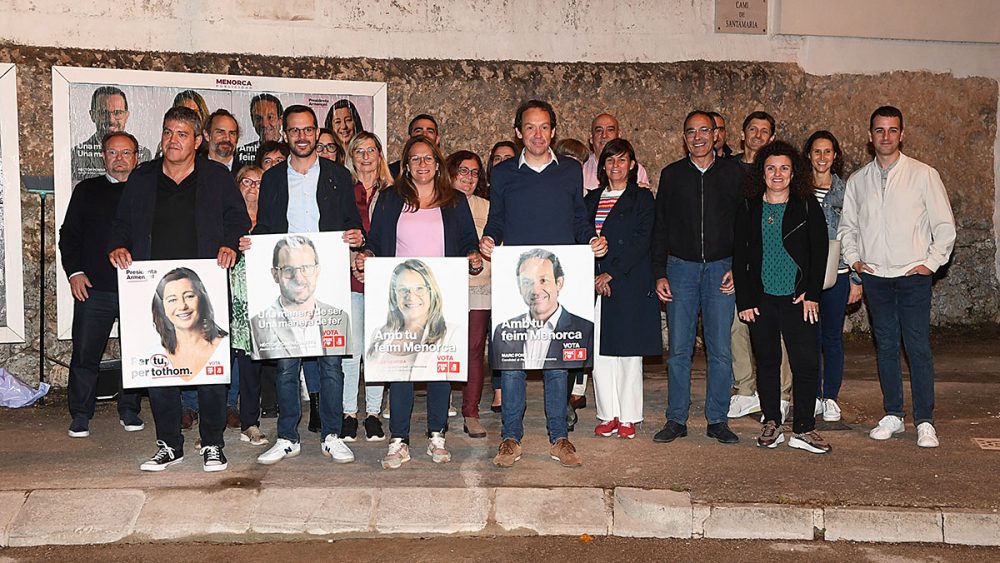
(777, 269)
(239, 323)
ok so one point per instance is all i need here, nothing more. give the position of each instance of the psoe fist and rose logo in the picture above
(574, 354)
(333, 339)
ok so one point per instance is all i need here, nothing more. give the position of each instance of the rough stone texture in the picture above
(475, 100)
(553, 512)
(186, 513)
(640, 513)
(967, 527)
(313, 511)
(883, 525)
(431, 510)
(10, 504)
(761, 521)
(75, 517)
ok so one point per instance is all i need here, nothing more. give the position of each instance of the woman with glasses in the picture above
(421, 216)
(467, 176)
(327, 146)
(367, 165)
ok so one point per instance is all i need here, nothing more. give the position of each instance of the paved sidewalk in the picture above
(61, 490)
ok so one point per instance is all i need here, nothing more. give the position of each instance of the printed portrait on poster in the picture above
(90, 103)
(543, 307)
(416, 319)
(11, 280)
(299, 295)
(174, 323)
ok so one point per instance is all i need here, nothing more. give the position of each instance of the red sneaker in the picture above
(626, 430)
(607, 428)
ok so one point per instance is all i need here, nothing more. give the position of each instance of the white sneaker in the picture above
(785, 406)
(926, 435)
(281, 449)
(334, 447)
(831, 411)
(820, 406)
(742, 405)
(888, 426)
(398, 454)
(436, 449)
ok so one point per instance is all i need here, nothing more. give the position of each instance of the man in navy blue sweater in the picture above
(537, 200)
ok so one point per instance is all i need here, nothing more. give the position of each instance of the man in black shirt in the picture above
(181, 206)
(83, 244)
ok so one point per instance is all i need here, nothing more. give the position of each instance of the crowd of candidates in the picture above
(767, 248)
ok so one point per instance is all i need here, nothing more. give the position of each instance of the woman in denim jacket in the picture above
(823, 152)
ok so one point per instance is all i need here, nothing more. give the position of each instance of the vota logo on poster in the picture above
(448, 364)
(333, 339)
(215, 368)
(574, 354)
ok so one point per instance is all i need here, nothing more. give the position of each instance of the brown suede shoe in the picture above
(509, 452)
(564, 452)
(188, 418)
(474, 428)
(232, 418)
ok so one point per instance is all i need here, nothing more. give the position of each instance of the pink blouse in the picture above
(420, 234)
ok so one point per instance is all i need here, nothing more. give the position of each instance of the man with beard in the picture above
(109, 112)
(223, 133)
(265, 114)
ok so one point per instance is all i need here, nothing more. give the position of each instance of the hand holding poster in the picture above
(416, 319)
(299, 295)
(556, 284)
(175, 322)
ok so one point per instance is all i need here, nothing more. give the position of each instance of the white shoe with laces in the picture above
(831, 411)
(820, 407)
(436, 449)
(888, 426)
(281, 449)
(742, 405)
(927, 436)
(338, 451)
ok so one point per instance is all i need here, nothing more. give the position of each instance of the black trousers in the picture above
(92, 322)
(249, 389)
(780, 318)
(268, 385)
(165, 402)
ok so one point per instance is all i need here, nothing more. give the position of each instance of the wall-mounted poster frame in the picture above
(12, 276)
(89, 102)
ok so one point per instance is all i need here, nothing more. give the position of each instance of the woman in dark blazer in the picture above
(627, 316)
(779, 263)
(421, 216)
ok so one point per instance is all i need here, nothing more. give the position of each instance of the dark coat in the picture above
(334, 196)
(630, 318)
(459, 229)
(220, 212)
(803, 233)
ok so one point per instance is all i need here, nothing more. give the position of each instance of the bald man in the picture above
(603, 129)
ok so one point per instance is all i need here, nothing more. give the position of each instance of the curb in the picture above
(96, 516)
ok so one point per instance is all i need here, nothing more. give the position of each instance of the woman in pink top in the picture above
(421, 216)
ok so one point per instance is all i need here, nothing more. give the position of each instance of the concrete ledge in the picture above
(966, 527)
(641, 513)
(75, 517)
(759, 522)
(10, 505)
(897, 525)
(553, 512)
(313, 511)
(431, 511)
(182, 513)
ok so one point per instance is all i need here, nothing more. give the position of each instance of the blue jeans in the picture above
(830, 335)
(401, 405)
(310, 372)
(514, 388)
(352, 363)
(331, 389)
(189, 399)
(695, 287)
(234, 386)
(902, 307)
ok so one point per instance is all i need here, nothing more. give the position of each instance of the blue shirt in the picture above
(303, 210)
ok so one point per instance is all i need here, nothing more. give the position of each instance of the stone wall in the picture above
(950, 123)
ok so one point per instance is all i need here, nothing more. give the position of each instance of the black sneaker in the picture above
(269, 412)
(215, 460)
(163, 458)
(131, 422)
(349, 428)
(721, 432)
(670, 432)
(373, 429)
(79, 428)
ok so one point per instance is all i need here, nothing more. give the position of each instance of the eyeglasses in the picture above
(417, 290)
(124, 153)
(329, 147)
(463, 171)
(362, 151)
(692, 132)
(296, 131)
(289, 272)
(113, 113)
(250, 183)
(426, 159)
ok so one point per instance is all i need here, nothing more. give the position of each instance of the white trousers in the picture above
(617, 381)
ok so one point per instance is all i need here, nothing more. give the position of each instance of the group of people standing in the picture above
(740, 241)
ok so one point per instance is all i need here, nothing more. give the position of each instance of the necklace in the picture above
(774, 208)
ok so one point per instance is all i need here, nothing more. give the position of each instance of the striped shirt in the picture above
(608, 199)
